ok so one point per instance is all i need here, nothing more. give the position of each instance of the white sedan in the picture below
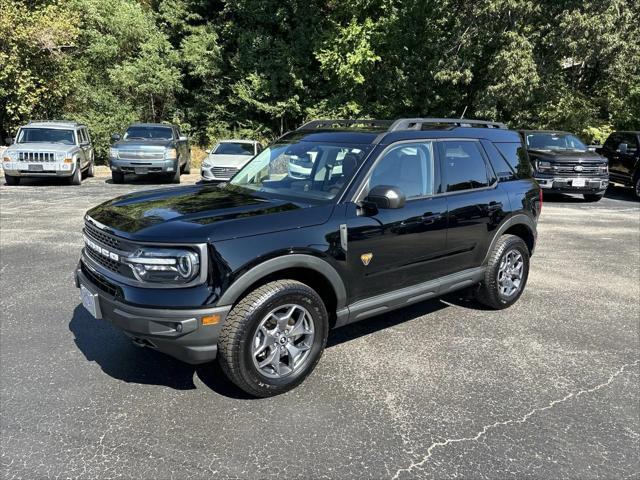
(226, 158)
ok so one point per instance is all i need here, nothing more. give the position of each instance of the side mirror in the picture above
(9, 141)
(115, 137)
(622, 148)
(207, 151)
(598, 150)
(386, 197)
(183, 138)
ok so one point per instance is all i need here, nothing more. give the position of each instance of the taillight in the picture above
(540, 211)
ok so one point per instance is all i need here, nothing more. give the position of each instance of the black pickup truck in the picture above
(257, 270)
(563, 164)
(623, 151)
(148, 148)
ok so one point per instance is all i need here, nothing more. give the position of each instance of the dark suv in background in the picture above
(622, 150)
(563, 164)
(257, 270)
(148, 148)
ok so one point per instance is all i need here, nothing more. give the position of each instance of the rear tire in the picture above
(91, 169)
(636, 187)
(593, 197)
(257, 347)
(11, 180)
(507, 273)
(76, 178)
(117, 177)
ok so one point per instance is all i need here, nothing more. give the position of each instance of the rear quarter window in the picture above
(515, 155)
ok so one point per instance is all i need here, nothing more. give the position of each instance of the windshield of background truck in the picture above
(555, 141)
(152, 133)
(46, 135)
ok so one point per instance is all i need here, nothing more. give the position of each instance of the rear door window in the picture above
(464, 166)
(516, 156)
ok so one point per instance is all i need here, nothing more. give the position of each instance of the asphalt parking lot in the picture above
(546, 389)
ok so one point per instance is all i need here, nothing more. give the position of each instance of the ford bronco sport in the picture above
(49, 148)
(256, 271)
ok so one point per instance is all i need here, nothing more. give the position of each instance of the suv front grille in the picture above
(107, 263)
(101, 282)
(224, 172)
(103, 237)
(37, 156)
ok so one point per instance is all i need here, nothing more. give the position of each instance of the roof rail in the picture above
(70, 122)
(416, 123)
(328, 123)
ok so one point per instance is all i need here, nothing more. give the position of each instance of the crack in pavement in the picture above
(522, 419)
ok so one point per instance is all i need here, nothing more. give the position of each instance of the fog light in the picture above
(211, 320)
(178, 327)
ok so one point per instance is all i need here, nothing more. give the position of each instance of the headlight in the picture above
(113, 152)
(60, 156)
(206, 164)
(164, 265)
(10, 156)
(542, 165)
(170, 153)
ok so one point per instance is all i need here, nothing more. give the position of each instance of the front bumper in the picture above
(176, 332)
(143, 167)
(572, 184)
(44, 169)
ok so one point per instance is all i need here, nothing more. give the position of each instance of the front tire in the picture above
(76, 178)
(636, 187)
(11, 180)
(186, 168)
(593, 197)
(273, 338)
(507, 273)
(117, 177)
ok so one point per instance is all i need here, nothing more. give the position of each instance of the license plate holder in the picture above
(578, 182)
(89, 301)
(141, 170)
(36, 168)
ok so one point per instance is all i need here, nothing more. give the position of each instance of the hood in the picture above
(221, 160)
(41, 147)
(203, 213)
(566, 156)
(140, 144)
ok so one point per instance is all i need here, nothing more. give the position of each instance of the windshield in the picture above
(555, 141)
(155, 133)
(46, 135)
(303, 170)
(229, 148)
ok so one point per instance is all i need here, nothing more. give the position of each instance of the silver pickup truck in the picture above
(148, 148)
(49, 149)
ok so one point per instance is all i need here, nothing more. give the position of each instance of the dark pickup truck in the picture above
(623, 152)
(256, 271)
(148, 148)
(563, 164)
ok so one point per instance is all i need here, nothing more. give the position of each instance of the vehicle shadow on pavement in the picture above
(119, 358)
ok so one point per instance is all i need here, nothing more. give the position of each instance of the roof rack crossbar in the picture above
(416, 123)
(69, 122)
(328, 123)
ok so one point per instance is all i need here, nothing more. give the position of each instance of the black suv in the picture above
(563, 164)
(256, 271)
(623, 151)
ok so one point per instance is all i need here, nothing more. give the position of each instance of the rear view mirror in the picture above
(622, 148)
(386, 197)
(115, 137)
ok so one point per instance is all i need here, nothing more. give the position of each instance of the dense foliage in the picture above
(259, 67)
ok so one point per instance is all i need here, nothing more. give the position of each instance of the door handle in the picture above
(429, 218)
(493, 206)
